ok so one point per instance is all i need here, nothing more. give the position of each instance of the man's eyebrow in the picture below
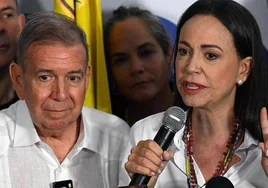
(9, 7)
(44, 70)
(79, 71)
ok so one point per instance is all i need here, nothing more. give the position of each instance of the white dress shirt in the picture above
(247, 173)
(94, 161)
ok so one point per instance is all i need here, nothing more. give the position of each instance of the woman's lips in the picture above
(140, 84)
(4, 47)
(192, 87)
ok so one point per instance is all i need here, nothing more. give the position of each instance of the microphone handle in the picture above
(163, 138)
(139, 179)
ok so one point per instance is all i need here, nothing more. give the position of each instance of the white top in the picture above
(248, 173)
(27, 162)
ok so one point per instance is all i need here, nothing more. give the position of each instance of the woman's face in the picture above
(207, 64)
(139, 66)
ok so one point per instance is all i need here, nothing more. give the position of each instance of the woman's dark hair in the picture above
(253, 94)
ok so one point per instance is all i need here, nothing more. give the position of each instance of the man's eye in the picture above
(74, 78)
(8, 15)
(44, 77)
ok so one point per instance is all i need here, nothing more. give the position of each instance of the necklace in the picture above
(226, 157)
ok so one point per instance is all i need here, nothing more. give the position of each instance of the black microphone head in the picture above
(219, 182)
(174, 118)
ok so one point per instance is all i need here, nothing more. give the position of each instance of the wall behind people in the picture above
(30, 6)
(168, 10)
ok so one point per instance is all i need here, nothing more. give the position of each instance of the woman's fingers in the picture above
(264, 145)
(147, 158)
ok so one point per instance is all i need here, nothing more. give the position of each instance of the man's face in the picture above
(11, 25)
(54, 84)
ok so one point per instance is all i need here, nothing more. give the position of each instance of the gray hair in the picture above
(154, 25)
(49, 28)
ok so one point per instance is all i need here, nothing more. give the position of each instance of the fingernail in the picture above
(162, 165)
(266, 153)
(167, 154)
(152, 173)
(159, 171)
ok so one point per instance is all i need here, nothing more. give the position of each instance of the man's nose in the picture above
(60, 90)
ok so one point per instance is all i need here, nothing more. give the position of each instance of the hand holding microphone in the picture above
(147, 158)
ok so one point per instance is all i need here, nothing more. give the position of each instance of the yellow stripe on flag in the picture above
(65, 7)
(88, 16)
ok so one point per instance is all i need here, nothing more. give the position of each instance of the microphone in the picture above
(173, 120)
(219, 182)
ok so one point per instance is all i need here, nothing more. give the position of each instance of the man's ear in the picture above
(21, 21)
(16, 75)
(88, 74)
(245, 67)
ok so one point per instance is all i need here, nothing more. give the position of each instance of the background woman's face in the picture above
(139, 66)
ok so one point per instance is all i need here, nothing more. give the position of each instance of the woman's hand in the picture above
(264, 145)
(149, 159)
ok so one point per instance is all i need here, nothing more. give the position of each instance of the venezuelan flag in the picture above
(88, 16)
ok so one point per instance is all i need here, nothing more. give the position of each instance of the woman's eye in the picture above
(183, 51)
(211, 56)
(145, 53)
(119, 60)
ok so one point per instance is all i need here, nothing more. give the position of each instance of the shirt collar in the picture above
(87, 135)
(25, 133)
(247, 142)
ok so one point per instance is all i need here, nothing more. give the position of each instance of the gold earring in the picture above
(240, 82)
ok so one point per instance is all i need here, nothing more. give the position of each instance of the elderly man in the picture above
(11, 24)
(48, 138)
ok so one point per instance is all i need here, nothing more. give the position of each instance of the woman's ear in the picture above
(169, 56)
(16, 74)
(246, 65)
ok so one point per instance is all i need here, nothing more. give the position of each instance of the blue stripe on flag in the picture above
(170, 28)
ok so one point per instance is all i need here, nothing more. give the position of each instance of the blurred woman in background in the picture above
(138, 55)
